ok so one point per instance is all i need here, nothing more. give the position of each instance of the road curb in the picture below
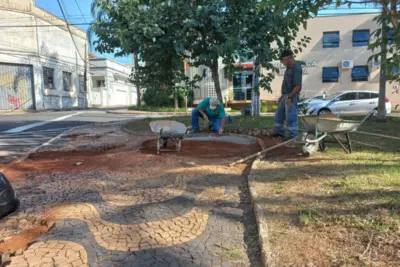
(137, 112)
(262, 226)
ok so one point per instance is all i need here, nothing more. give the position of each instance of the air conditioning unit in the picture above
(347, 64)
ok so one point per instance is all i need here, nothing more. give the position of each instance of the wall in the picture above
(43, 46)
(318, 57)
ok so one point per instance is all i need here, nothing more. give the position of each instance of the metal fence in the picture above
(207, 88)
(16, 87)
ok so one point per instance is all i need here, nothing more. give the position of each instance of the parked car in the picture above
(347, 103)
(302, 105)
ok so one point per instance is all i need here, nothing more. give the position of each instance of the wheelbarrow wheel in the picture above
(165, 143)
(322, 145)
(309, 148)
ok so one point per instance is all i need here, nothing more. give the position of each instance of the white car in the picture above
(347, 103)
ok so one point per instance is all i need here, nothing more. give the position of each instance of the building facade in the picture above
(335, 60)
(40, 66)
(110, 84)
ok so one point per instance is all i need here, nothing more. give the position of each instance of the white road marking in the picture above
(20, 144)
(37, 124)
(36, 132)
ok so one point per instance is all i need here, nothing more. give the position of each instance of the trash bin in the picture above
(8, 201)
(246, 111)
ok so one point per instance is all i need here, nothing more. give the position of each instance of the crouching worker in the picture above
(212, 110)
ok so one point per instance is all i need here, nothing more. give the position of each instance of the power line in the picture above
(43, 26)
(80, 10)
(69, 30)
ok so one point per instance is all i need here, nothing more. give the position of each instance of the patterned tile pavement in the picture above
(114, 219)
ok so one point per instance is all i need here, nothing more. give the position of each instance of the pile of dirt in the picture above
(21, 241)
(203, 149)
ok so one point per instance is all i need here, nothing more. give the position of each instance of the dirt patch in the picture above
(63, 155)
(21, 241)
(204, 149)
(122, 159)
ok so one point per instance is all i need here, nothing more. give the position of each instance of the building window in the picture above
(330, 74)
(395, 70)
(100, 83)
(331, 39)
(361, 38)
(48, 78)
(81, 83)
(67, 81)
(360, 74)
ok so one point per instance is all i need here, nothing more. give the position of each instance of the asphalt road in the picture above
(22, 132)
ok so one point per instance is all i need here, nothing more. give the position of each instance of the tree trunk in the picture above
(138, 93)
(176, 100)
(381, 116)
(186, 105)
(215, 75)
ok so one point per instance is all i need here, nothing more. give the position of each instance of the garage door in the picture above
(16, 87)
(121, 98)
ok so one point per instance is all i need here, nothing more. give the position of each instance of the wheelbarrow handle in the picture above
(368, 115)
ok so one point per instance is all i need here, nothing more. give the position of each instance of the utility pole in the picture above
(85, 74)
(136, 67)
(381, 116)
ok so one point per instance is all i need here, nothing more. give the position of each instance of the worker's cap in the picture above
(286, 53)
(214, 103)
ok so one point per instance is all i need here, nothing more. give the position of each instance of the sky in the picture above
(81, 14)
(74, 15)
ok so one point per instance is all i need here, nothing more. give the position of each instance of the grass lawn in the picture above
(392, 127)
(156, 109)
(334, 209)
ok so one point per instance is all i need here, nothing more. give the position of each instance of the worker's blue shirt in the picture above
(219, 112)
(293, 77)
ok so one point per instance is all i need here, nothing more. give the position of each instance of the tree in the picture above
(385, 45)
(141, 28)
(165, 33)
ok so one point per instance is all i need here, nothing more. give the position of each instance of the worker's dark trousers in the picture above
(290, 115)
(215, 121)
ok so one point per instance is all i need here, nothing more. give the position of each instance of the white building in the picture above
(111, 84)
(40, 66)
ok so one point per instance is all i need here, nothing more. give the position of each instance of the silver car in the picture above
(347, 103)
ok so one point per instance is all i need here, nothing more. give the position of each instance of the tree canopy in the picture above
(164, 33)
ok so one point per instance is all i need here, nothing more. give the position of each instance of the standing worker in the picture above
(210, 109)
(287, 103)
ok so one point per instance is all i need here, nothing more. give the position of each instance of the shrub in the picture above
(273, 108)
(264, 107)
(158, 97)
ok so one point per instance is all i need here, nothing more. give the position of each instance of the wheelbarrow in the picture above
(168, 131)
(316, 129)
